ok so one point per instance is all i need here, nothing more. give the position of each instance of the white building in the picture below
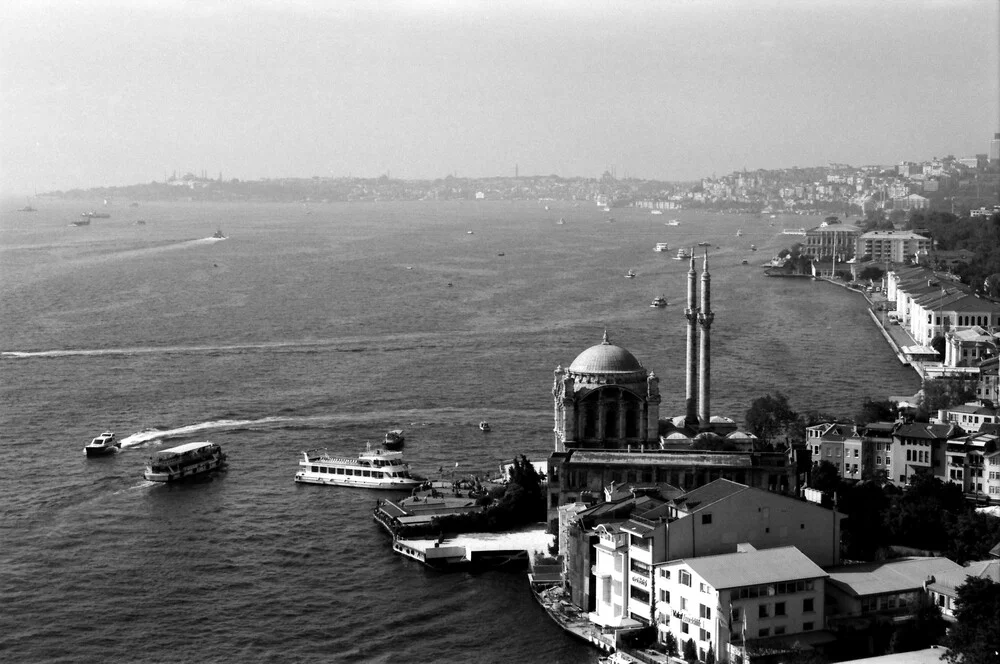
(892, 246)
(734, 603)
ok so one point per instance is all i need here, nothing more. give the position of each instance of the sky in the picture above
(115, 92)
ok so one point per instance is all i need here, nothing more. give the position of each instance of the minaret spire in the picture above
(705, 318)
(691, 381)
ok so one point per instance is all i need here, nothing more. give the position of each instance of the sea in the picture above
(323, 325)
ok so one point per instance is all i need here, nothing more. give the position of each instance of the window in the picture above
(737, 614)
(705, 612)
(779, 629)
(639, 594)
(665, 596)
(764, 632)
(807, 604)
(665, 573)
(706, 519)
(779, 608)
(684, 577)
(703, 587)
(684, 604)
(807, 627)
(762, 611)
(684, 628)
(702, 635)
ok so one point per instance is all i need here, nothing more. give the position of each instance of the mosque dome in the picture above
(605, 357)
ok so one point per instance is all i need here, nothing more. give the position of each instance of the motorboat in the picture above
(682, 254)
(657, 212)
(184, 461)
(218, 235)
(661, 246)
(81, 222)
(753, 247)
(372, 469)
(673, 222)
(659, 302)
(560, 222)
(704, 244)
(744, 262)
(739, 233)
(102, 445)
(394, 439)
(484, 426)
(630, 274)
(93, 214)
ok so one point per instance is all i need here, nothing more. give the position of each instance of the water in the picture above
(324, 327)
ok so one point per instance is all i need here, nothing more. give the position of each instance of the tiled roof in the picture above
(889, 576)
(732, 570)
(926, 431)
(710, 493)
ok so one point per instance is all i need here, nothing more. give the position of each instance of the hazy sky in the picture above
(102, 92)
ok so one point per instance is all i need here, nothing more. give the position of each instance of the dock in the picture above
(476, 551)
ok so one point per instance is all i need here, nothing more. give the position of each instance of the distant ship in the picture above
(658, 302)
(218, 235)
(682, 254)
(673, 222)
(95, 215)
(27, 208)
(81, 222)
(739, 233)
(656, 211)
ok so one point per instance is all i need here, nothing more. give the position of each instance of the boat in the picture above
(184, 461)
(93, 214)
(218, 235)
(614, 658)
(81, 222)
(610, 219)
(394, 439)
(469, 233)
(661, 246)
(27, 208)
(656, 211)
(744, 262)
(104, 444)
(484, 426)
(140, 222)
(682, 254)
(673, 222)
(739, 233)
(793, 231)
(607, 208)
(704, 244)
(560, 222)
(372, 469)
(659, 302)
(630, 274)
(753, 247)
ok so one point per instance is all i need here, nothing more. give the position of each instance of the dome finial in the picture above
(606, 340)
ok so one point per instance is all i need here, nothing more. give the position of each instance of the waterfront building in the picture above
(607, 427)
(891, 246)
(832, 240)
(929, 305)
(969, 416)
(838, 444)
(991, 461)
(876, 449)
(738, 604)
(965, 349)
(988, 386)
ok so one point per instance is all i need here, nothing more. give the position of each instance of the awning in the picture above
(621, 622)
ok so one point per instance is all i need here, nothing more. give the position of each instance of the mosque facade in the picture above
(608, 430)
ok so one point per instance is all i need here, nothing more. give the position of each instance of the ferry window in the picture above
(366, 473)
(315, 469)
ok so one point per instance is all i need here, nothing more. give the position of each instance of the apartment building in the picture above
(891, 246)
(739, 603)
(919, 449)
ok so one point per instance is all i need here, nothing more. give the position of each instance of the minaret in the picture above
(691, 313)
(705, 318)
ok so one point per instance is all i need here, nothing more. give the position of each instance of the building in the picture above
(891, 246)
(734, 603)
(837, 444)
(839, 241)
(970, 416)
(920, 449)
(967, 348)
(607, 427)
(942, 591)
(988, 385)
(876, 449)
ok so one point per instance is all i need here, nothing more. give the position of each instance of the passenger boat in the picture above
(753, 247)
(104, 444)
(372, 469)
(739, 233)
(744, 262)
(394, 439)
(661, 246)
(484, 426)
(673, 222)
(81, 222)
(630, 274)
(704, 244)
(95, 215)
(682, 254)
(27, 208)
(656, 211)
(659, 302)
(560, 222)
(184, 461)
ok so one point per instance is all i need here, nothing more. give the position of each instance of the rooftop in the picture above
(732, 570)
(891, 575)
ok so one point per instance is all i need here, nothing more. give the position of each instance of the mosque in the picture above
(608, 430)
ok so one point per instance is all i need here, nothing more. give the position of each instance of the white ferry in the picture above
(661, 246)
(793, 231)
(659, 302)
(106, 443)
(656, 211)
(184, 461)
(682, 254)
(372, 469)
(630, 274)
(673, 222)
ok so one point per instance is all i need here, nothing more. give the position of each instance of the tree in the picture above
(938, 344)
(769, 415)
(690, 651)
(943, 393)
(925, 630)
(975, 636)
(875, 411)
(871, 272)
(670, 641)
(710, 655)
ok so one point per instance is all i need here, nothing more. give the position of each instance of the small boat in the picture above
(104, 444)
(81, 222)
(394, 439)
(607, 208)
(659, 302)
(657, 212)
(682, 254)
(661, 246)
(610, 219)
(140, 222)
(484, 426)
(218, 235)
(560, 222)
(630, 274)
(739, 233)
(27, 208)
(501, 254)
(95, 215)
(753, 247)
(744, 262)
(184, 461)
(469, 233)
(673, 222)
(372, 469)
(704, 244)
(133, 204)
